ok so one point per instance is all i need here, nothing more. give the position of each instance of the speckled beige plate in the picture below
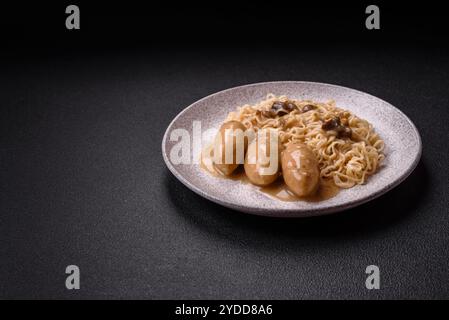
(402, 141)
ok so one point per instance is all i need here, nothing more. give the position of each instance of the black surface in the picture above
(226, 23)
(83, 181)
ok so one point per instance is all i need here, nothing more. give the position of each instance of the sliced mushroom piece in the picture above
(331, 124)
(334, 124)
(308, 107)
(290, 106)
(280, 108)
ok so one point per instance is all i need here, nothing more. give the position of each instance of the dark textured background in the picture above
(83, 181)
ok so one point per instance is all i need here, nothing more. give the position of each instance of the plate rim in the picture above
(290, 212)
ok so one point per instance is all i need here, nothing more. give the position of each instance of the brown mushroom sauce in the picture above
(339, 124)
(335, 124)
(282, 108)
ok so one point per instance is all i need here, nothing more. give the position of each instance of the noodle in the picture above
(347, 161)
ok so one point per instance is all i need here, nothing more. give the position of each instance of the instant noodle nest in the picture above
(347, 147)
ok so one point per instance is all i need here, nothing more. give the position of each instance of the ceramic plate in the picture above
(402, 148)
